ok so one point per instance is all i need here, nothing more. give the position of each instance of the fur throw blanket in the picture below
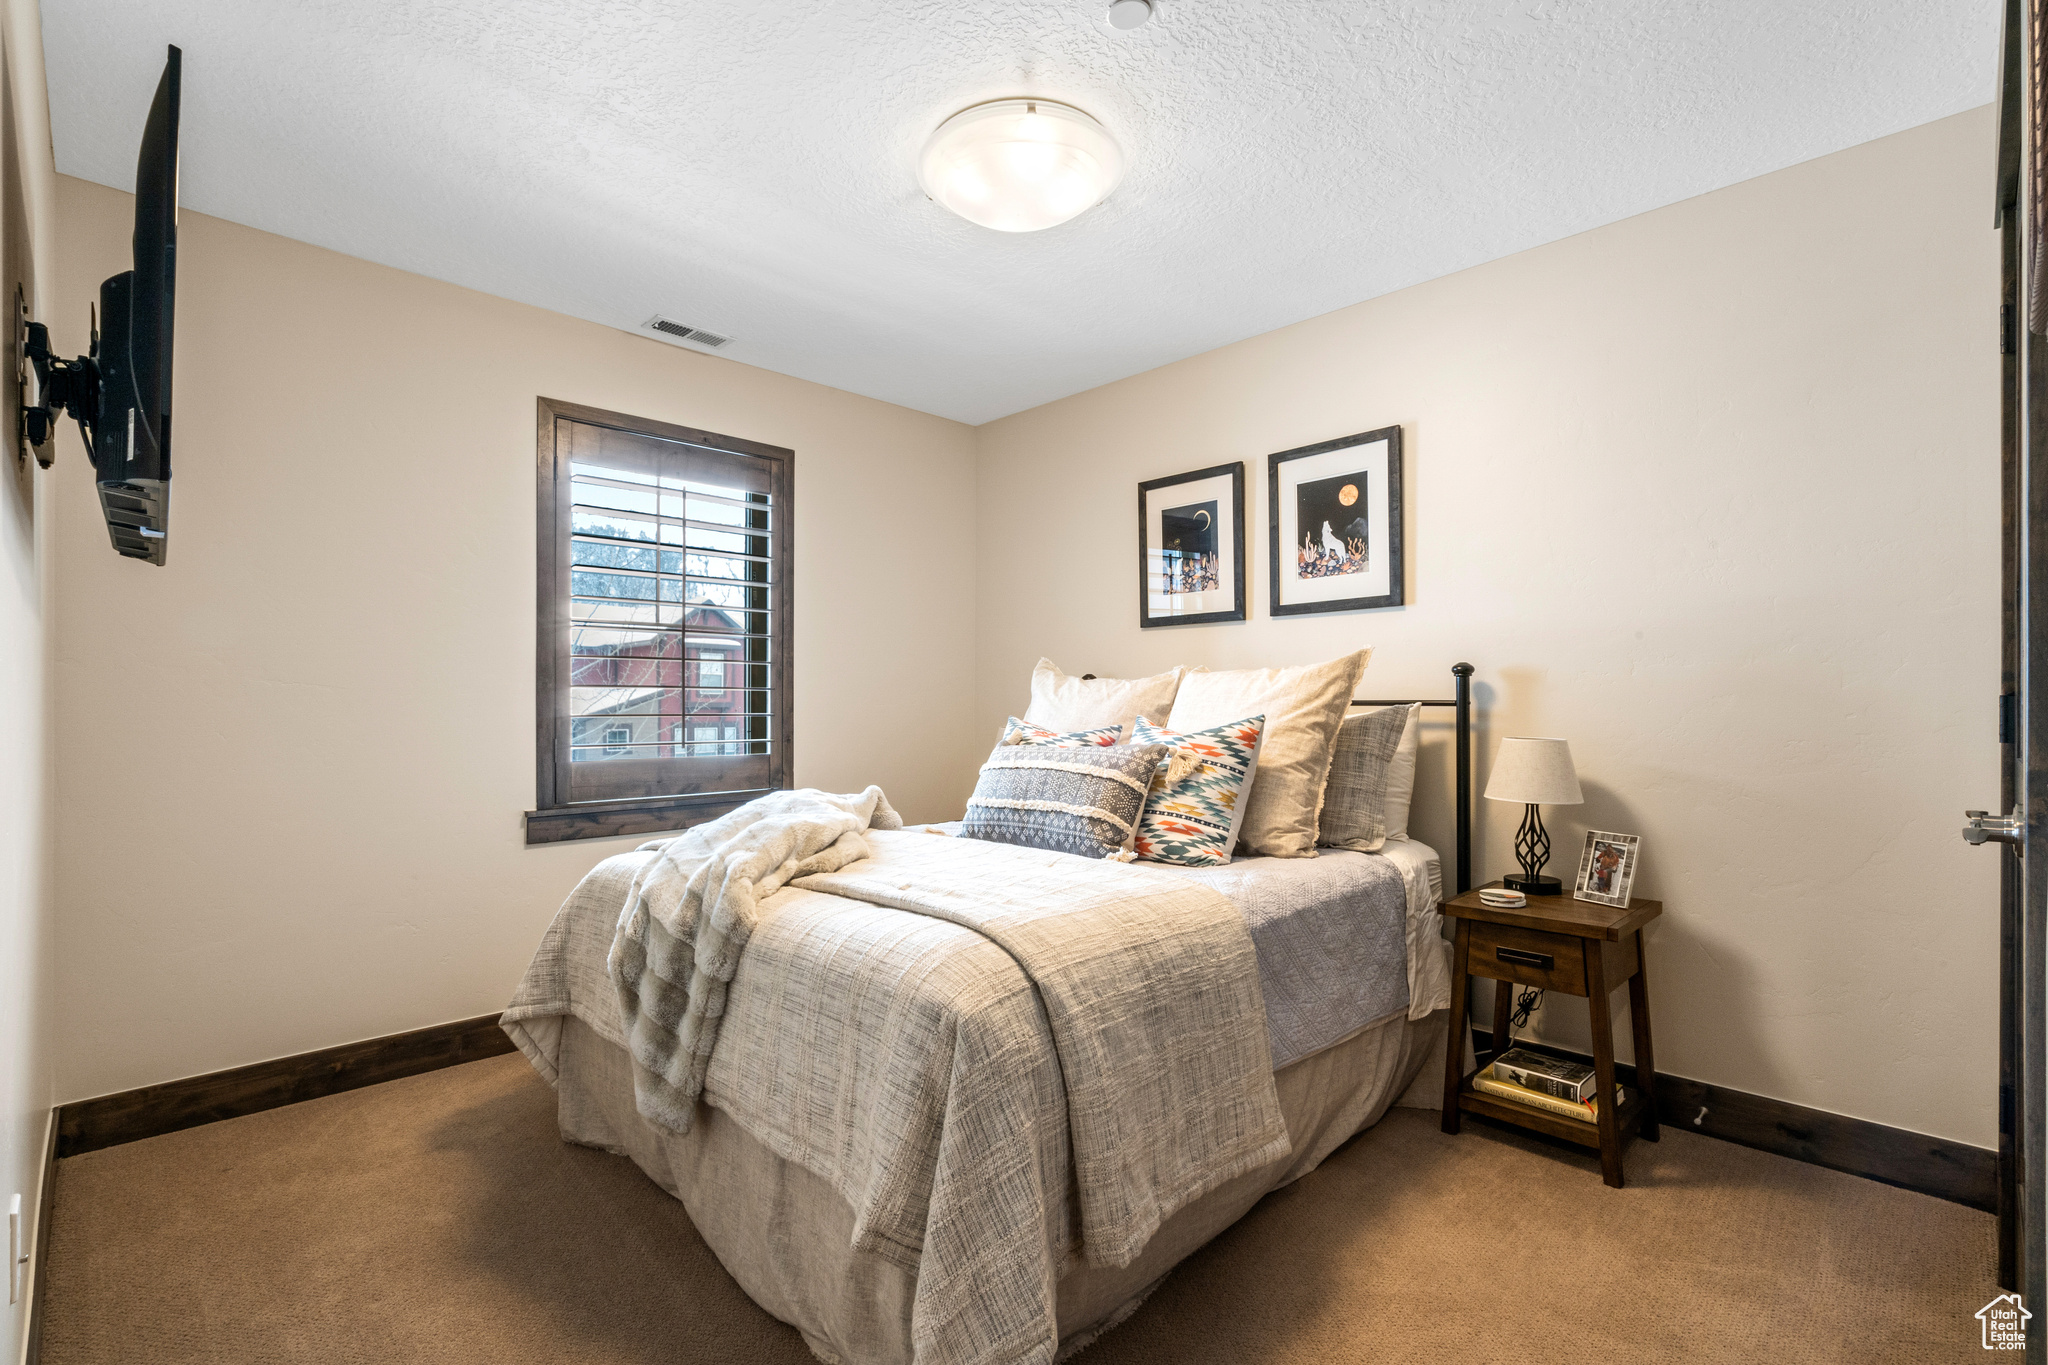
(689, 914)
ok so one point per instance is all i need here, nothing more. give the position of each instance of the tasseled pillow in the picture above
(1196, 805)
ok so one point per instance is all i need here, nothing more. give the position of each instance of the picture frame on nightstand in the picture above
(1607, 868)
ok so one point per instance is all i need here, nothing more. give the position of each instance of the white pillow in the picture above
(1062, 702)
(1401, 776)
(1303, 708)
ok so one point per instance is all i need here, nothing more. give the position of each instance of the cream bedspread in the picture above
(1039, 1018)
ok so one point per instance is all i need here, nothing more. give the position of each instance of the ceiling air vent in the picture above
(686, 333)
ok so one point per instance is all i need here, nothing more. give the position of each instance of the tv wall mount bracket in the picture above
(51, 385)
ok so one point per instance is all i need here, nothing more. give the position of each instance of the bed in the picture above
(878, 1246)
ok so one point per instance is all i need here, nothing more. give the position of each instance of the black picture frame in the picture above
(1234, 565)
(1396, 594)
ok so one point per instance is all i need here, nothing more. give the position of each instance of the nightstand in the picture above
(1569, 947)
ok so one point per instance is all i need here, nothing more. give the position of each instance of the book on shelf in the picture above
(1552, 1075)
(1586, 1111)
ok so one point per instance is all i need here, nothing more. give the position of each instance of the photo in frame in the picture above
(1335, 515)
(1607, 868)
(1191, 547)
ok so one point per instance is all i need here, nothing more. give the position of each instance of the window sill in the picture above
(640, 815)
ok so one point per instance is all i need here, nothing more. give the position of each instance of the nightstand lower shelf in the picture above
(1474, 1101)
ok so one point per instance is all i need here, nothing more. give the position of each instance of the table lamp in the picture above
(1536, 772)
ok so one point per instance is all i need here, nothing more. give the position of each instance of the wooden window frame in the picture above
(695, 798)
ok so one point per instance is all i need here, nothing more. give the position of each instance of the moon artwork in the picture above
(1191, 547)
(1331, 516)
(1188, 561)
(1336, 541)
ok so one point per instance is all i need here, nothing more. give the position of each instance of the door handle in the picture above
(1984, 827)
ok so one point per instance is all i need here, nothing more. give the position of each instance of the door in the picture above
(2017, 832)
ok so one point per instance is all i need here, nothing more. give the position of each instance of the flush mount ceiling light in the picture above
(1020, 165)
(1129, 14)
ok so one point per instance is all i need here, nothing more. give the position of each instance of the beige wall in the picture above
(1711, 492)
(294, 760)
(26, 500)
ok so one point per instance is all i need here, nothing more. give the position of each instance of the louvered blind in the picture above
(671, 617)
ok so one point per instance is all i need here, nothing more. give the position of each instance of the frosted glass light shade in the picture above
(1020, 165)
(1536, 772)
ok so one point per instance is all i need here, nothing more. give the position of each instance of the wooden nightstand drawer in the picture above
(1555, 962)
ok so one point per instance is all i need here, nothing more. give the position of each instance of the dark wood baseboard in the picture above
(88, 1125)
(1954, 1171)
(1945, 1169)
(39, 1260)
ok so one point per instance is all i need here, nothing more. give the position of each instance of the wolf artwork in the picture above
(1336, 536)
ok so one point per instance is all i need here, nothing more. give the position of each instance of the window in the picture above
(664, 614)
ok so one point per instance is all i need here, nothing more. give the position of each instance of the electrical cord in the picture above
(1518, 1016)
(1525, 1006)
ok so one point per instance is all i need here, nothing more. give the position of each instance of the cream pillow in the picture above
(1303, 708)
(1401, 776)
(1062, 702)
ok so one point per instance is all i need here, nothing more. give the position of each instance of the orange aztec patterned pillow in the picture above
(1196, 805)
(1024, 732)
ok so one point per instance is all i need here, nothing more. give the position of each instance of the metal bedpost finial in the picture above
(1463, 688)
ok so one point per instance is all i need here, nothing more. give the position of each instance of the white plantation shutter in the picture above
(665, 575)
(664, 619)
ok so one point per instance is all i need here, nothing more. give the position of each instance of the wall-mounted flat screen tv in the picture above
(120, 394)
(132, 441)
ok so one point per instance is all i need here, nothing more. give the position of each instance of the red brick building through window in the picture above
(681, 691)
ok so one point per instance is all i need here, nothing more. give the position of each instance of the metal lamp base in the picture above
(1532, 851)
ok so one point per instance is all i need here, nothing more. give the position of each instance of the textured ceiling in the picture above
(750, 167)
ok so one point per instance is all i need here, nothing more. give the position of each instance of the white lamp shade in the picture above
(1536, 772)
(1020, 165)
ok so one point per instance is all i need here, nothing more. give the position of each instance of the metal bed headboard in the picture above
(1462, 702)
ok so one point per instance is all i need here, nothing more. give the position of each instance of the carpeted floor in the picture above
(441, 1219)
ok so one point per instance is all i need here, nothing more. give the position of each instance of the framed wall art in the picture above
(1191, 547)
(1336, 524)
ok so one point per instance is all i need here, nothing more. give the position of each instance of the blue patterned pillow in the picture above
(1196, 804)
(1083, 800)
(1024, 732)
